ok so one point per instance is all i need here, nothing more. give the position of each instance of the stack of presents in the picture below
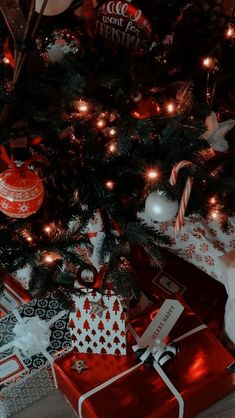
(158, 356)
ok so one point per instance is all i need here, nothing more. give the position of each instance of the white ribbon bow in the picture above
(160, 351)
(32, 336)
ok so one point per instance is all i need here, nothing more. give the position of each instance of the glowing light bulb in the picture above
(112, 148)
(230, 33)
(207, 62)
(214, 214)
(170, 107)
(48, 259)
(100, 123)
(109, 184)
(29, 238)
(112, 132)
(6, 60)
(47, 229)
(213, 200)
(152, 174)
(81, 106)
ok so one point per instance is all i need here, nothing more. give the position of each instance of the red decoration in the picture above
(86, 325)
(21, 192)
(116, 306)
(116, 340)
(121, 23)
(86, 305)
(107, 316)
(78, 313)
(101, 326)
(71, 324)
(145, 108)
(102, 339)
(115, 326)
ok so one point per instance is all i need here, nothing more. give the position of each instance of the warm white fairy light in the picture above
(48, 259)
(170, 107)
(112, 148)
(6, 60)
(81, 106)
(208, 62)
(112, 132)
(230, 33)
(152, 174)
(47, 229)
(213, 200)
(214, 214)
(29, 238)
(101, 123)
(109, 184)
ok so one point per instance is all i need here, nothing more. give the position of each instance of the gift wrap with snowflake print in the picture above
(26, 377)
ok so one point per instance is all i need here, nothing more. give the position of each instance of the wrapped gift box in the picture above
(199, 372)
(98, 324)
(205, 296)
(26, 371)
(12, 296)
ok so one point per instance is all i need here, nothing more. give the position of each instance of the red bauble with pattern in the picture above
(21, 192)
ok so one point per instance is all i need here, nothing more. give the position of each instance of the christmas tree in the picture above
(118, 109)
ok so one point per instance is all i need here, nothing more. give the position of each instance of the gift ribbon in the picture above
(158, 369)
(23, 323)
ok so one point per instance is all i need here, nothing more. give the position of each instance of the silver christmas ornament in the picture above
(160, 209)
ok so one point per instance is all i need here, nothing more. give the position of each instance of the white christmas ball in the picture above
(53, 7)
(160, 209)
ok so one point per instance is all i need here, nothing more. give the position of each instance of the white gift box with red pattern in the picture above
(98, 324)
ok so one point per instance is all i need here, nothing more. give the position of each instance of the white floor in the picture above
(55, 406)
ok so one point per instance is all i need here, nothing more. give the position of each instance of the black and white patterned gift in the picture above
(31, 337)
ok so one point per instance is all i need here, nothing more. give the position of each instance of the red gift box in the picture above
(200, 373)
(12, 296)
(204, 295)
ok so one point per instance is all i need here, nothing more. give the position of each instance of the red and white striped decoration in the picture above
(186, 193)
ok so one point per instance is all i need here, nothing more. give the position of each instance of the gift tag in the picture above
(9, 300)
(168, 284)
(163, 323)
(10, 367)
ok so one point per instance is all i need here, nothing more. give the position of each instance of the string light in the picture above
(112, 132)
(152, 174)
(29, 238)
(213, 201)
(81, 106)
(6, 60)
(230, 33)
(208, 62)
(214, 214)
(170, 107)
(109, 184)
(101, 123)
(112, 148)
(47, 229)
(50, 258)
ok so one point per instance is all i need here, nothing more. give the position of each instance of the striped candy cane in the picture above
(186, 193)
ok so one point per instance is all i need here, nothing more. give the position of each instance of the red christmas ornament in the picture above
(21, 192)
(121, 23)
(145, 108)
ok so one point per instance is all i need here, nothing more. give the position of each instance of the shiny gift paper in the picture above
(199, 373)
